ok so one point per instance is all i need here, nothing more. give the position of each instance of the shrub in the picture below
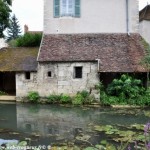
(12, 43)
(85, 94)
(126, 87)
(33, 96)
(53, 98)
(82, 97)
(125, 90)
(29, 40)
(78, 99)
(65, 99)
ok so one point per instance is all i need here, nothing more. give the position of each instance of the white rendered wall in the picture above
(97, 16)
(144, 30)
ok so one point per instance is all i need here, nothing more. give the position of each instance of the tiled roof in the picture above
(18, 59)
(145, 13)
(117, 52)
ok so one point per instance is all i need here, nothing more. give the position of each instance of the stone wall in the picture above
(97, 16)
(23, 86)
(61, 81)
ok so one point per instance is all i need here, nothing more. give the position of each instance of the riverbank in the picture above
(13, 99)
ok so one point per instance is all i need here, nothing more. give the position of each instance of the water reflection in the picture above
(49, 123)
(53, 120)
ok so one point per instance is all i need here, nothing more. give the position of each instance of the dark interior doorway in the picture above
(8, 82)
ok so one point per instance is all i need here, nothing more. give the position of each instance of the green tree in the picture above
(13, 30)
(4, 15)
(29, 40)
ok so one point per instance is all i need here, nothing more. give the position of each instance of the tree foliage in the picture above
(4, 15)
(29, 40)
(13, 30)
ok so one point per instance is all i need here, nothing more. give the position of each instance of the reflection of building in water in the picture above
(8, 116)
(52, 121)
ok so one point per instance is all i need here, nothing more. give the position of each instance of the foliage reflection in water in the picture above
(68, 125)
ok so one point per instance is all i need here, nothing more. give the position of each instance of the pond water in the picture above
(54, 125)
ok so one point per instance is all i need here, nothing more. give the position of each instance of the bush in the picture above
(29, 40)
(126, 87)
(82, 97)
(12, 43)
(65, 99)
(78, 99)
(33, 96)
(53, 98)
(125, 90)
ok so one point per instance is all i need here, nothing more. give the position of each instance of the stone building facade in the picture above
(58, 78)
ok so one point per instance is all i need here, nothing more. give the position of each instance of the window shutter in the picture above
(77, 8)
(56, 8)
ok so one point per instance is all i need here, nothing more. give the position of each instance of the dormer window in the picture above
(66, 8)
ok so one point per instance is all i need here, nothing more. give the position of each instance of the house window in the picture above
(66, 8)
(27, 75)
(49, 74)
(77, 72)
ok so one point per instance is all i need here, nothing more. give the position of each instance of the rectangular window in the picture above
(49, 74)
(27, 75)
(66, 8)
(78, 72)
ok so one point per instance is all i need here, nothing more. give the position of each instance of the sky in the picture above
(30, 12)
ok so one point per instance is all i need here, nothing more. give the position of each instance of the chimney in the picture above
(26, 28)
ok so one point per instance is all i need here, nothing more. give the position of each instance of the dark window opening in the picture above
(78, 72)
(27, 75)
(49, 74)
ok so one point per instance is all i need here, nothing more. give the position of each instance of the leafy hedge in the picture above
(29, 40)
(125, 90)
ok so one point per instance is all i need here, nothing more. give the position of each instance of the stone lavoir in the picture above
(83, 42)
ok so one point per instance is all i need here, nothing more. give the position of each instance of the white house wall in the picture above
(144, 30)
(62, 80)
(97, 16)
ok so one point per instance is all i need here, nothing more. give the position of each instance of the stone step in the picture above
(7, 98)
